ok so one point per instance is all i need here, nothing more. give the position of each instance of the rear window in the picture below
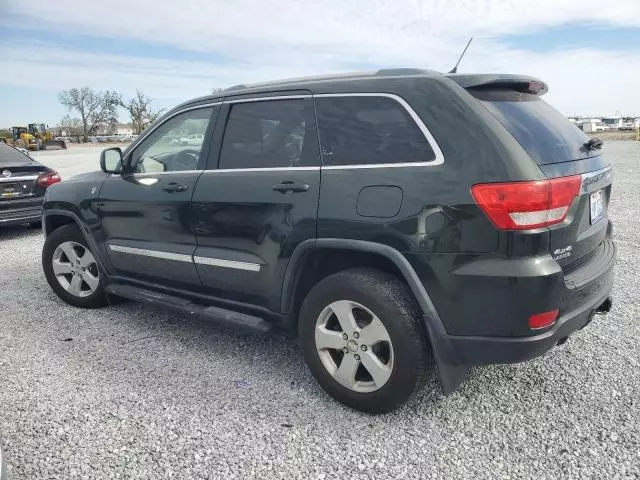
(543, 132)
(369, 130)
(9, 156)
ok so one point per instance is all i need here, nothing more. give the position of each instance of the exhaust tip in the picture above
(605, 307)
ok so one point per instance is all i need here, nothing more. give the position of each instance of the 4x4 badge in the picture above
(562, 252)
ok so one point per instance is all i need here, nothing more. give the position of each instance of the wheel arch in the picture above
(54, 219)
(389, 254)
(450, 371)
(51, 222)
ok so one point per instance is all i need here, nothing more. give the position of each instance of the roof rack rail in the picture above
(240, 86)
(405, 71)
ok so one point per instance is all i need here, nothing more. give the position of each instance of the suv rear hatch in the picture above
(561, 150)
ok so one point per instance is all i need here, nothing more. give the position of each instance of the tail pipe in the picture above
(605, 307)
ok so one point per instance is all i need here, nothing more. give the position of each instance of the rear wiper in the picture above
(593, 144)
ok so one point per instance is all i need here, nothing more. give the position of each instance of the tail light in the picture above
(543, 320)
(525, 205)
(47, 179)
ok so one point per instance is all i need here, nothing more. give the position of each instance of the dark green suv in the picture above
(401, 222)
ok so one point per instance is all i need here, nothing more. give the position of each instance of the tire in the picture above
(404, 359)
(60, 247)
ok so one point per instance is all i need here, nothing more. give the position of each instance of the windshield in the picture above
(542, 131)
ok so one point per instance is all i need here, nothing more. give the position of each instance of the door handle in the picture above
(175, 187)
(291, 187)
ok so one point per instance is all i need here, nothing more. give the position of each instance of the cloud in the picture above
(270, 39)
(402, 26)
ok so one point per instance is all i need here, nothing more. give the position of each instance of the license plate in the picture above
(9, 191)
(596, 200)
(14, 190)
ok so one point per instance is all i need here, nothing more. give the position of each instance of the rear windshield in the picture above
(9, 156)
(543, 132)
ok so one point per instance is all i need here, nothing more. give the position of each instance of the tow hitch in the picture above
(604, 308)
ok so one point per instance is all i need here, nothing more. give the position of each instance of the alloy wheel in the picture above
(354, 346)
(75, 269)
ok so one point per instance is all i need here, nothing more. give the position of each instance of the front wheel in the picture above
(71, 268)
(362, 339)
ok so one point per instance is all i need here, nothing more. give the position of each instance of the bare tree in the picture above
(95, 109)
(139, 108)
(72, 126)
(216, 90)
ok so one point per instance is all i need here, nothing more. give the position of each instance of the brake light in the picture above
(525, 205)
(537, 87)
(48, 178)
(543, 320)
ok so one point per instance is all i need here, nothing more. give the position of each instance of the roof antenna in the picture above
(455, 69)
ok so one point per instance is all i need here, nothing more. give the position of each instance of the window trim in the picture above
(264, 99)
(129, 151)
(438, 160)
(439, 157)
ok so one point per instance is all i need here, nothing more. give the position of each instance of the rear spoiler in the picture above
(518, 83)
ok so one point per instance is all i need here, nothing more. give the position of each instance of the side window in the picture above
(369, 131)
(175, 145)
(269, 134)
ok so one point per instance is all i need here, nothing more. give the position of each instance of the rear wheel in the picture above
(362, 340)
(71, 268)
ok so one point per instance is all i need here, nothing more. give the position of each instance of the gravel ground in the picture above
(132, 392)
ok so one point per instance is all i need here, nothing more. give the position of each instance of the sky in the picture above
(587, 51)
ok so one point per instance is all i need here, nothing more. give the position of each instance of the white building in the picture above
(590, 125)
(609, 123)
(124, 129)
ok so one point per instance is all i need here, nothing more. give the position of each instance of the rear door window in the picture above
(369, 130)
(546, 134)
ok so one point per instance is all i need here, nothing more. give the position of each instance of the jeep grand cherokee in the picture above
(405, 223)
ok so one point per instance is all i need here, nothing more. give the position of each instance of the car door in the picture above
(144, 212)
(252, 211)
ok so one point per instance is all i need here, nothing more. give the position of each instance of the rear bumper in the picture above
(580, 305)
(488, 350)
(28, 211)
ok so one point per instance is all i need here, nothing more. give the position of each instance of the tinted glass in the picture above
(9, 156)
(546, 134)
(369, 130)
(175, 145)
(272, 133)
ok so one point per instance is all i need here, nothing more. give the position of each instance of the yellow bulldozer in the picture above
(21, 138)
(34, 137)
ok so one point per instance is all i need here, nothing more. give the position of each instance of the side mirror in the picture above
(111, 160)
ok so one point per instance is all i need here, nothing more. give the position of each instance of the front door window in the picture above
(174, 146)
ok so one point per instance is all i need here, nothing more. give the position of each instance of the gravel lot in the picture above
(132, 392)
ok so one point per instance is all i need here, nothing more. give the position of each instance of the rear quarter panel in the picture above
(438, 213)
(439, 227)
